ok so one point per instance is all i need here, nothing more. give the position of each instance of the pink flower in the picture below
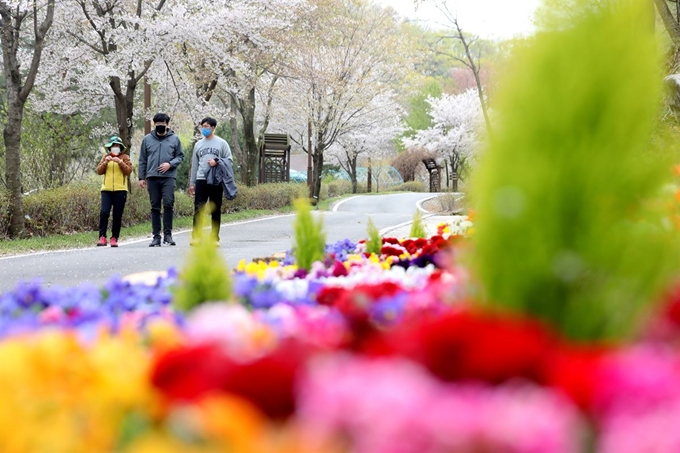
(655, 431)
(52, 314)
(637, 380)
(394, 406)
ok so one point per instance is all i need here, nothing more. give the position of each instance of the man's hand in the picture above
(164, 167)
(212, 162)
(142, 183)
(192, 191)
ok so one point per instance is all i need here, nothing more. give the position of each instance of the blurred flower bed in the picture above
(374, 353)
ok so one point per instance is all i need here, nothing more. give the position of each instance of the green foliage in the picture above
(374, 241)
(418, 108)
(411, 186)
(206, 276)
(310, 240)
(75, 207)
(184, 168)
(339, 187)
(266, 196)
(56, 149)
(417, 226)
(568, 229)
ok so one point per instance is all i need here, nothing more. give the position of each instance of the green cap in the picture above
(115, 140)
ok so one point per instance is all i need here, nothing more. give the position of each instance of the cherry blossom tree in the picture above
(236, 57)
(23, 28)
(99, 53)
(454, 135)
(371, 139)
(355, 54)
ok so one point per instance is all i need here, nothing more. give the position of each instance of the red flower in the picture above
(390, 250)
(329, 294)
(575, 371)
(191, 372)
(268, 382)
(339, 269)
(672, 305)
(467, 345)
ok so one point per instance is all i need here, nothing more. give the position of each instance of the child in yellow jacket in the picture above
(116, 167)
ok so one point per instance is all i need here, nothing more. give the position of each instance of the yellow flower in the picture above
(61, 396)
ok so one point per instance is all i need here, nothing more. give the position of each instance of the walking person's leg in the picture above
(119, 200)
(155, 198)
(168, 193)
(105, 211)
(200, 199)
(216, 216)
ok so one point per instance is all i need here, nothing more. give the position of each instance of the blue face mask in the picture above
(206, 131)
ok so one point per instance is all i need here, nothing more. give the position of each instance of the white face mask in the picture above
(115, 150)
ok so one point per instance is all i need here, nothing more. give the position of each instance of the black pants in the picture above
(115, 200)
(161, 190)
(204, 193)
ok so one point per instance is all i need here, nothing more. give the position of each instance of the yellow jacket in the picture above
(115, 173)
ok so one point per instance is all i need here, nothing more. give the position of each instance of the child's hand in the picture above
(108, 158)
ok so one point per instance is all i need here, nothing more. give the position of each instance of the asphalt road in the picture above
(239, 241)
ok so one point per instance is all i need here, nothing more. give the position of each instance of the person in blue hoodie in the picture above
(159, 156)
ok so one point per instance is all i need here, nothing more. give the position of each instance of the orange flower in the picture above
(676, 170)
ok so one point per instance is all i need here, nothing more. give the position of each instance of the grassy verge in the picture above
(89, 239)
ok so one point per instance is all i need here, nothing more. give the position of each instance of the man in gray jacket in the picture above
(159, 156)
(207, 152)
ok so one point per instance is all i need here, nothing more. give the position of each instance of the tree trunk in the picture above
(12, 136)
(353, 173)
(17, 92)
(251, 176)
(672, 26)
(475, 72)
(318, 168)
(235, 145)
(369, 177)
(124, 103)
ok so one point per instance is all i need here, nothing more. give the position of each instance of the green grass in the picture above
(89, 239)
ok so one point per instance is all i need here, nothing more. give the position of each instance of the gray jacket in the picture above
(222, 174)
(155, 150)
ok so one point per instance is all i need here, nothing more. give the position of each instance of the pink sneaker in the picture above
(102, 241)
(114, 242)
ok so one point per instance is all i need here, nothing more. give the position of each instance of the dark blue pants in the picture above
(161, 191)
(205, 192)
(115, 200)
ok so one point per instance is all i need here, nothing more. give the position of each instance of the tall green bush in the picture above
(567, 227)
(417, 226)
(310, 239)
(374, 240)
(206, 276)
